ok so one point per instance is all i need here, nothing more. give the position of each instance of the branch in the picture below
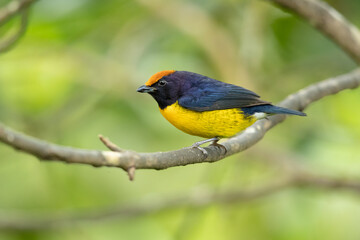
(328, 21)
(200, 198)
(9, 43)
(13, 8)
(312, 180)
(161, 160)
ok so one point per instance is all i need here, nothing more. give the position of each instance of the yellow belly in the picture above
(209, 124)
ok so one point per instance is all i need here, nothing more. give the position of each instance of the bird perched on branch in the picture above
(205, 107)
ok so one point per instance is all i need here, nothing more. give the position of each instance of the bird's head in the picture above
(166, 87)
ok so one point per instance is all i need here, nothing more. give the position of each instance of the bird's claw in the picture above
(204, 152)
(215, 144)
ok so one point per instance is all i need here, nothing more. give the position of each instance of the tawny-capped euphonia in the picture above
(205, 107)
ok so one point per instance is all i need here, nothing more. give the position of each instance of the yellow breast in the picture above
(209, 124)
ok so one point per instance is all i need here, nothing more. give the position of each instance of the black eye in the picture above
(162, 83)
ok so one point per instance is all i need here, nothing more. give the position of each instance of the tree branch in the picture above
(198, 198)
(328, 21)
(10, 42)
(317, 181)
(13, 8)
(162, 160)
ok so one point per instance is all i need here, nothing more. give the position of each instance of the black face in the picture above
(165, 91)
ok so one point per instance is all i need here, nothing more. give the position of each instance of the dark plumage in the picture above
(205, 107)
(200, 93)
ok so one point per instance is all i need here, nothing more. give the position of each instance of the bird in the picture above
(205, 107)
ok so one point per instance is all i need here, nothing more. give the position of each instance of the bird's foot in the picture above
(216, 144)
(197, 146)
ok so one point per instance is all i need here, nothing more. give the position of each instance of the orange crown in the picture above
(157, 76)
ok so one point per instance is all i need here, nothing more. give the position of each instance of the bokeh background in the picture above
(75, 73)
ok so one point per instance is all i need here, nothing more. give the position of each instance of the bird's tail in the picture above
(271, 109)
(280, 110)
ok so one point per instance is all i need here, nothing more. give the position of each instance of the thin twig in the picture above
(131, 172)
(113, 147)
(109, 144)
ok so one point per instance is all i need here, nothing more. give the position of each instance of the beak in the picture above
(146, 89)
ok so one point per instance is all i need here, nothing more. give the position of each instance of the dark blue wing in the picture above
(208, 94)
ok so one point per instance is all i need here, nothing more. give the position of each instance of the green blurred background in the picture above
(75, 73)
